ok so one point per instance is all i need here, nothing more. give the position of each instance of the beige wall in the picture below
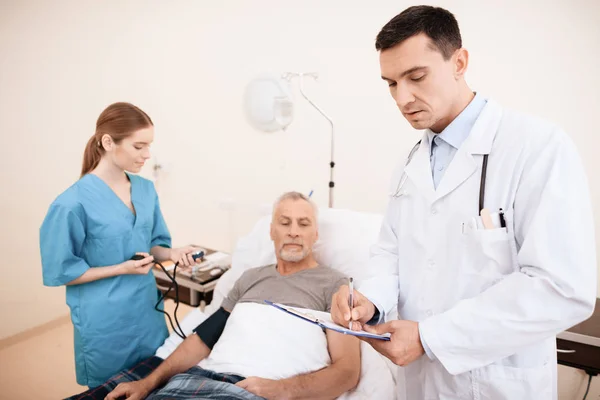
(186, 64)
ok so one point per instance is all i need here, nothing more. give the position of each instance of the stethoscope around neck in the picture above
(400, 192)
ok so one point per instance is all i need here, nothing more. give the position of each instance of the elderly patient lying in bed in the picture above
(303, 362)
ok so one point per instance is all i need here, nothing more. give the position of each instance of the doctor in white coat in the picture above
(487, 246)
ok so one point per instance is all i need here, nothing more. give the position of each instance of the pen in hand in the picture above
(351, 301)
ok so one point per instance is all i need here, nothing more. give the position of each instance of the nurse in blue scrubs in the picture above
(88, 237)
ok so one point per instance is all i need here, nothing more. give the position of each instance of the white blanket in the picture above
(261, 341)
(269, 350)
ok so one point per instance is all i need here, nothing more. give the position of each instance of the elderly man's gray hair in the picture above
(296, 196)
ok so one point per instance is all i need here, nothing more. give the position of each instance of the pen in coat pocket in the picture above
(502, 220)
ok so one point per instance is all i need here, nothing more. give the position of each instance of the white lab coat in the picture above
(489, 302)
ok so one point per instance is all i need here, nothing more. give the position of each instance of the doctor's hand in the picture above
(362, 311)
(267, 388)
(137, 390)
(404, 346)
(137, 267)
(183, 255)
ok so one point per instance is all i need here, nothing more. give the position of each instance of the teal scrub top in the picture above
(88, 226)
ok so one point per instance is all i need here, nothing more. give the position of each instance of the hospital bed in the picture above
(345, 238)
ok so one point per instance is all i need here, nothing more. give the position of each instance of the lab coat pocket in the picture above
(493, 248)
(487, 255)
(496, 382)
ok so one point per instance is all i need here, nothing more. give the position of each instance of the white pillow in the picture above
(345, 240)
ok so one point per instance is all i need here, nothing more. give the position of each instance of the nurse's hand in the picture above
(183, 255)
(362, 311)
(137, 267)
(130, 390)
(404, 346)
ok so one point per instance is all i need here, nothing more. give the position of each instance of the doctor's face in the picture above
(294, 230)
(131, 153)
(423, 84)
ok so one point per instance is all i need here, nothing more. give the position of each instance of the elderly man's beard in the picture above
(293, 253)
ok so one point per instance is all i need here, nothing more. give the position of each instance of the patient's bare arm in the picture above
(328, 383)
(188, 354)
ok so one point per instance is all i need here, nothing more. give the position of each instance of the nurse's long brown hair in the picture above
(119, 120)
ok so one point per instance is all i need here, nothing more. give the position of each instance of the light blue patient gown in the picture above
(114, 319)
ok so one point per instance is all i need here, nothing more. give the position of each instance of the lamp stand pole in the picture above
(288, 76)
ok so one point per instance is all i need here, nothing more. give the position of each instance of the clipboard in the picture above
(326, 324)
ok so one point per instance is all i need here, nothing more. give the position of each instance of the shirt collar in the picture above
(459, 129)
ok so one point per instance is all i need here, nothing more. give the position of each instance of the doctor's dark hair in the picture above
(119, 120)
(438, 24)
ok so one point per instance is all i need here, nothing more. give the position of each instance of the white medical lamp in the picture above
(269, 108)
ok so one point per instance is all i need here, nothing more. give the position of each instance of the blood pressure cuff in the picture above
(211, 329)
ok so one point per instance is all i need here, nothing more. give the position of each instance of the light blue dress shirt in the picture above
(443, 148)
(445, 144)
